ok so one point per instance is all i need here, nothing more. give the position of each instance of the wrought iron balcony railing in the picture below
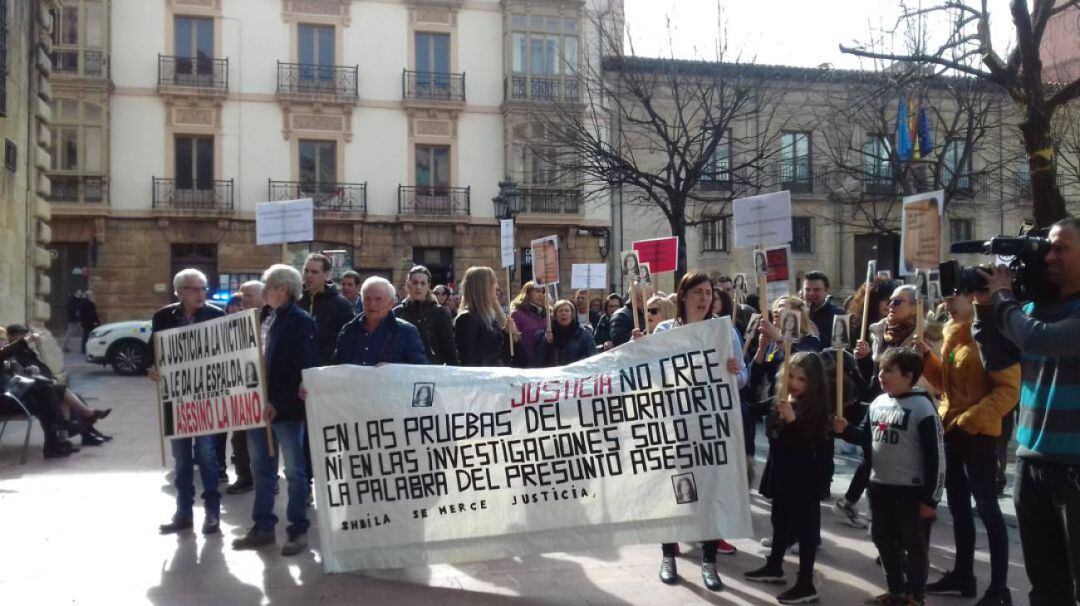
(543, 89)
(196, 72)
(73, 189)
(797, 176)
(433, 86)
(551, 200)
(213, 196)
(433, 200)
(75, 62)
(304, 78)
(879, 186)
(334, 197)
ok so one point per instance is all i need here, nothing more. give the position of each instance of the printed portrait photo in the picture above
(789, 324)
(921, 284)
(752, 328)
(685, 488)
(840, 326)
(630, 265)
(761, 265)
(251, 375)
(423, 394)
(644, 274)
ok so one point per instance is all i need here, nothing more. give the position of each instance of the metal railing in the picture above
(433, 86)
(75, 62)
(879, 186)
(72, 189)
(543, 89)
(551, 200)
(197, 72)
(305, 78)
(438, 201)
(797, 176)
(204, 196)
(335, 197)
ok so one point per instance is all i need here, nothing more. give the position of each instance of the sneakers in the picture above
(296, 544)
(848, 514)
(953, 584)
(996, 597)
(799, 594)
(765, 574)
(254, 539)
(724, 547)
(710, 577)
(766, 542)
(669, 572)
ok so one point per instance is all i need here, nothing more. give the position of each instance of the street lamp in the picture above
(509, 203)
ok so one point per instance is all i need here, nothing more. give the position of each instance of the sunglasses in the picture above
(896, 302)
(653, 311)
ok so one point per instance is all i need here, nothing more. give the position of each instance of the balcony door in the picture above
(194, 50)
(432, 64)
(433, 179)
(194, 163)
(318, 171)
(316, 55)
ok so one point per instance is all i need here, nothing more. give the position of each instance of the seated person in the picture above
(40, 401)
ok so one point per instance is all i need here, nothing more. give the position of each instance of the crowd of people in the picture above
(928, 402)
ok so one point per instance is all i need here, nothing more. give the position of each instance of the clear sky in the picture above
(787, 32)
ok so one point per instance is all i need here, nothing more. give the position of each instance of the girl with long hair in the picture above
(796, 428)
(482, 331)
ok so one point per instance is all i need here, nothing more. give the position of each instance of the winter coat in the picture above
(435, 326)
(331, 311)
(479, 343)
(529, 320)
(401, 345)
(290, 348)
(577, 346)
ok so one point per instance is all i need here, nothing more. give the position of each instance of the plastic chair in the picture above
(26, 416)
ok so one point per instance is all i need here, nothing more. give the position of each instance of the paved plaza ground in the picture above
(83, 530)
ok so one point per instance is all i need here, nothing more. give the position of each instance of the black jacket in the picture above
(88, 315)
(331, 311)
(403, 344)
(822, 317)
(622, 324)
(170, 316)
(290, 348)
(603, 331)
(566, 348)
(479, 343)
(435, 326)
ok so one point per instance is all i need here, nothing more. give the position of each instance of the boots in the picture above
(56, 445)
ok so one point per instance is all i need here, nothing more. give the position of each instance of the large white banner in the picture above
(426, 464)
(211, 376)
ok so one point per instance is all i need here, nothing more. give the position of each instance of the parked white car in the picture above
(123, 345)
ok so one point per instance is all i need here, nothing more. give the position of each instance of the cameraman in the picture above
(1047, 486)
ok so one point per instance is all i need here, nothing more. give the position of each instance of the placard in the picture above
(506, 241)
(779, 272)
(284, 222)
(545, 260)
(762, 220)
(588, 276)
(662, 254)
(631, 266)
(641, 444)
(211, 376)
(920, 232)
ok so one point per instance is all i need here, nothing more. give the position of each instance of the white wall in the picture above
(378, 155)
(136, 149)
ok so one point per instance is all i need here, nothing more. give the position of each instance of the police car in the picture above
(123, 345)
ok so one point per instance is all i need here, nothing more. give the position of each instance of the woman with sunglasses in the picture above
(657, 309)
(567, 341)
(695, 304)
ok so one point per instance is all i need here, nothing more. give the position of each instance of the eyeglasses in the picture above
(897, 302)
(653, 311)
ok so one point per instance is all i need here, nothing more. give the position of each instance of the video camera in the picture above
(1027, 254)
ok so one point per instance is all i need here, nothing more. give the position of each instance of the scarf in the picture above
(896, 334)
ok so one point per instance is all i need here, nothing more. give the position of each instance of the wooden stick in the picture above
(782, 393)
(160, 419)
(509, 334)
(920, 318)
(285, 253)
(870, 267)
(839, 382)
(633, 303)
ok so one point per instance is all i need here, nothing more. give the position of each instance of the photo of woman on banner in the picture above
(251, 375)
(423, 393)
(685, 488)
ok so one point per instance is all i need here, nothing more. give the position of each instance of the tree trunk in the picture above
(1048, 203)
(677, 221)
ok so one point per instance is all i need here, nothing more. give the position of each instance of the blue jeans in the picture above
(289, 436)
(184, 480)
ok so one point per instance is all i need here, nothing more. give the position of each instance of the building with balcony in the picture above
(396, 118)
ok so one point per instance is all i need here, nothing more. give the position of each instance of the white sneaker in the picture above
(848, 514)
(766, 542)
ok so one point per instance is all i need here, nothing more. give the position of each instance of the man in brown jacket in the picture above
(973, 402)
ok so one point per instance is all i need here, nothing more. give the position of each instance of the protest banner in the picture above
(211, 376)
(778, 274)
(762, 220)
(641, 444)
(588, 276)
(662, 254)
(284, 222)
(545, 260)
(920, 232)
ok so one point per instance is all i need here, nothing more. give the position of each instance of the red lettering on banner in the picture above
(194, 417)
(553, 390)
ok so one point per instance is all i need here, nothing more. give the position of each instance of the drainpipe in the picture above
(31, 182)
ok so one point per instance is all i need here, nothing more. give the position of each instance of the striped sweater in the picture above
(1045, 338)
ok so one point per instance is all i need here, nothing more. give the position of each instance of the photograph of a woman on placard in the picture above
(840, 325)
(789, 325)
(630, 265)
(685, 488)
(644, 274)
(761, 265)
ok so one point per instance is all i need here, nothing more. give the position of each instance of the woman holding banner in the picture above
(695, 304)
(529, 310)
(567, 341)
(481, 329)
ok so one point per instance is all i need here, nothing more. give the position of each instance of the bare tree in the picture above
(682, 137)
(1019, 74)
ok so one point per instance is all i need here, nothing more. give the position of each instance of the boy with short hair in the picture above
(908, 473)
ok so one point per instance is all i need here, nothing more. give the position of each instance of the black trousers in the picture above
(971, 470)
(708, 550)
(1008, 423)
(240, 459)
(41, 402)
(860, 479)
(796, 517)
(1047, 498)
(900, 537)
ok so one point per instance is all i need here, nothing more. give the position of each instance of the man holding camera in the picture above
(1047, 487)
